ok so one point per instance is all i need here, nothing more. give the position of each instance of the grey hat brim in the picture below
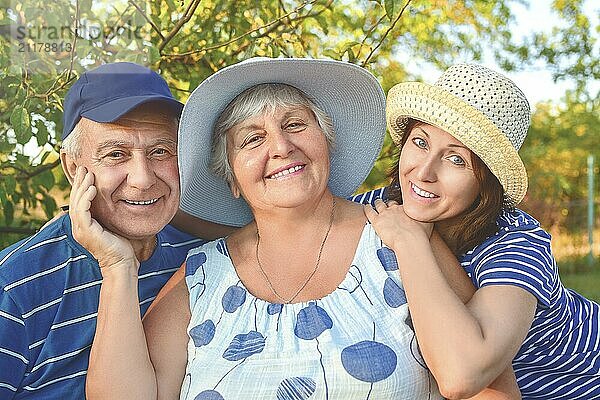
(349, 94)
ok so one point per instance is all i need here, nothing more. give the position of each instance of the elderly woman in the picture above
(304, 300)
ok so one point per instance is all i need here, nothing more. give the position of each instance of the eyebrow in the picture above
(461, 146)
(109, 144)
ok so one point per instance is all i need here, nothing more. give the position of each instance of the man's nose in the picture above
(141, 172)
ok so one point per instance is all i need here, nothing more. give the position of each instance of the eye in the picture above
(295, 125)
(252, 140)
(115, 154)
(456, 160)
(160, 152)
(420, 142)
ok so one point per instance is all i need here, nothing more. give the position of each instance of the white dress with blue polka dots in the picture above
(355, 343)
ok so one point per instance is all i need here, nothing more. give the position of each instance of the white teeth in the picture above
(141, 203)
(422, 192)
(286, 172)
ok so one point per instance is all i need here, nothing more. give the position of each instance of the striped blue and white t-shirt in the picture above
(49, 290)
(560, 357)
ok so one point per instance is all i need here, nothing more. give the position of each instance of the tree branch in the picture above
(186, 17)
(156, 28)
(24, 175)
(23, 231)
(385, 34)
(241, 36)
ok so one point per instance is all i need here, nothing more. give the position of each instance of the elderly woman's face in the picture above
(279, 158)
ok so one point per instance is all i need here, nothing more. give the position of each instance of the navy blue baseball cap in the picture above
(108, 92)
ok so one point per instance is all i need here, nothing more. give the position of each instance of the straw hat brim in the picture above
(435, 106)
(349, 94)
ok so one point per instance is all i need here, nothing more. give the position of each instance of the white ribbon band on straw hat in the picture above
(349, 94)
(483, 109)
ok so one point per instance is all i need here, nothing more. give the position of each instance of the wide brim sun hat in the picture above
(349, 94)
(483, 109)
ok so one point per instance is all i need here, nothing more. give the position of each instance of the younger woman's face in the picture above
(436, 175)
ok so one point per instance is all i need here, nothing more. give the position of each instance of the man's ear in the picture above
(69, 166)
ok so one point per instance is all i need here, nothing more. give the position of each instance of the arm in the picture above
(119, 355)
(14, 351)
(466, 346)
(199, 227)
(165, 325)
(453, 273)
(505, 386)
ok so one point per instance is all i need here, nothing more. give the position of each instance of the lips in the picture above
(141, 202)
(422, 192)
(286, 171)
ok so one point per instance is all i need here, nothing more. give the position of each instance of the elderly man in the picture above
(120, 122)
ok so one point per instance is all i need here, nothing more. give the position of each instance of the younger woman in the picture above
(459, 171)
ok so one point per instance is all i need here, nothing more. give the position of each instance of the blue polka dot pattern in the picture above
(369, 361)
(296, 388)
(388, 259)
(244, 345)
(203, 334)
(312, 321)
(233, 298)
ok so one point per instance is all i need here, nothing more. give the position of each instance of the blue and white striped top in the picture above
(49, 290)
(560, 357)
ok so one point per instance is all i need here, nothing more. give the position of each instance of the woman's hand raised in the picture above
(394, 227)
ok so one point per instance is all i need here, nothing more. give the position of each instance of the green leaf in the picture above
(41, 136)
(9, 212)
(49, 206)
(274, 50)
(46, 179)
(10, 183)
(332, 53)
(21, 123)
(390, 8)
(153, 55)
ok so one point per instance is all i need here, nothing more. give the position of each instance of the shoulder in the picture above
(207, 252)
(517, 231)
(172, 237)
(515, 220)
(519, 253)
(52, 246)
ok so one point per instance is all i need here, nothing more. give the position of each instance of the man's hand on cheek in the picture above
(114, 253)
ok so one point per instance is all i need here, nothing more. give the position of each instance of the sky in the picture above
(537, 83)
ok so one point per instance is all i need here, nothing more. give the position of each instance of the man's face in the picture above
(134, 162)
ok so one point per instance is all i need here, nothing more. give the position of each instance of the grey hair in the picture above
(255, 101)
(71, 145)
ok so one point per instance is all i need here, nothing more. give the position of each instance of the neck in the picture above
(144, 248)
(294, 222)
(444, 228)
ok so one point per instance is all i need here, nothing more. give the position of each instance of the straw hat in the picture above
(486, 111)
(349, 94)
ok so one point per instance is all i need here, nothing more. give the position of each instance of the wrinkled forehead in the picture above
(150, 113)
(132, 131)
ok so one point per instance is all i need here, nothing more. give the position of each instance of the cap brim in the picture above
(349, 94)
(115, 109)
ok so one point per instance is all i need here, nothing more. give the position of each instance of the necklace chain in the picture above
(312, 273)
